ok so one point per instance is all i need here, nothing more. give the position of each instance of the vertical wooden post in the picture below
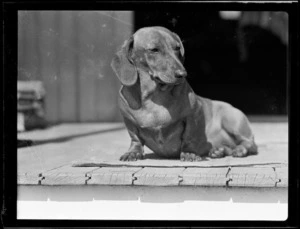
(28, 53)
(47, 47)
(67, 66)
(87, 65)
(21, 45)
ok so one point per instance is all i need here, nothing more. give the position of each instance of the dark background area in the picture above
(242, 61)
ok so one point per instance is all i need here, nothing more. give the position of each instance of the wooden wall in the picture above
(71, 52)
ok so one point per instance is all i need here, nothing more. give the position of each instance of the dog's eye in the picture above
(155, 50)
(177, 48)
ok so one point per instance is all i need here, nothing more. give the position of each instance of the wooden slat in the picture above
(67, 67)
(67, 175)
(31, 58)
(21, 45)
(252, 177)
(27, 107)
(107, 84)
(32, 89)
(112, 176)
(205, 176)
(21, 122)
(29, 178)
(282, 177)
(47, 48)
(158, 176)
(88, 66)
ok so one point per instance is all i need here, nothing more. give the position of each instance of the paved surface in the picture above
(63, 144)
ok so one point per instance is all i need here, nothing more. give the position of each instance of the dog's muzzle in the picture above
(163, 85)
(180, 74)
(179, 78)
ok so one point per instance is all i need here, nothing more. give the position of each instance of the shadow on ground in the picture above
(28, 142)
(156, 157)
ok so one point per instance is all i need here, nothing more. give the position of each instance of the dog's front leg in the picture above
(194, 142)
(136, 149)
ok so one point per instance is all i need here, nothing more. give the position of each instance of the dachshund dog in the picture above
(161, 110)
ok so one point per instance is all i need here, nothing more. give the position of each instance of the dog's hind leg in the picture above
(236, 124)
(219, 152)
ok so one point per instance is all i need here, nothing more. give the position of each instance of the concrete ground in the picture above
(65, 143)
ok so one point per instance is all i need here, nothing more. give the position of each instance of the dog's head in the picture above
(154, 50)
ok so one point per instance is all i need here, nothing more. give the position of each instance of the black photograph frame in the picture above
(10, 9)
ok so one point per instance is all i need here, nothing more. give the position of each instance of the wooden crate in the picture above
(30, 105)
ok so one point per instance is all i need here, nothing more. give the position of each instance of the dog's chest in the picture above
(153, 119)
(154, 115)
(166, 140)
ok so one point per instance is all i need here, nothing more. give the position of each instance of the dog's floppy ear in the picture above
(123, 65)
(181, 45)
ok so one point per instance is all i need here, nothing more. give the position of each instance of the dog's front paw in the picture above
(189, 157)
(239, 151)
(217, 152)
(132, 156)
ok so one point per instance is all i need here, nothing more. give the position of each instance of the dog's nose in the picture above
(180, 73)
